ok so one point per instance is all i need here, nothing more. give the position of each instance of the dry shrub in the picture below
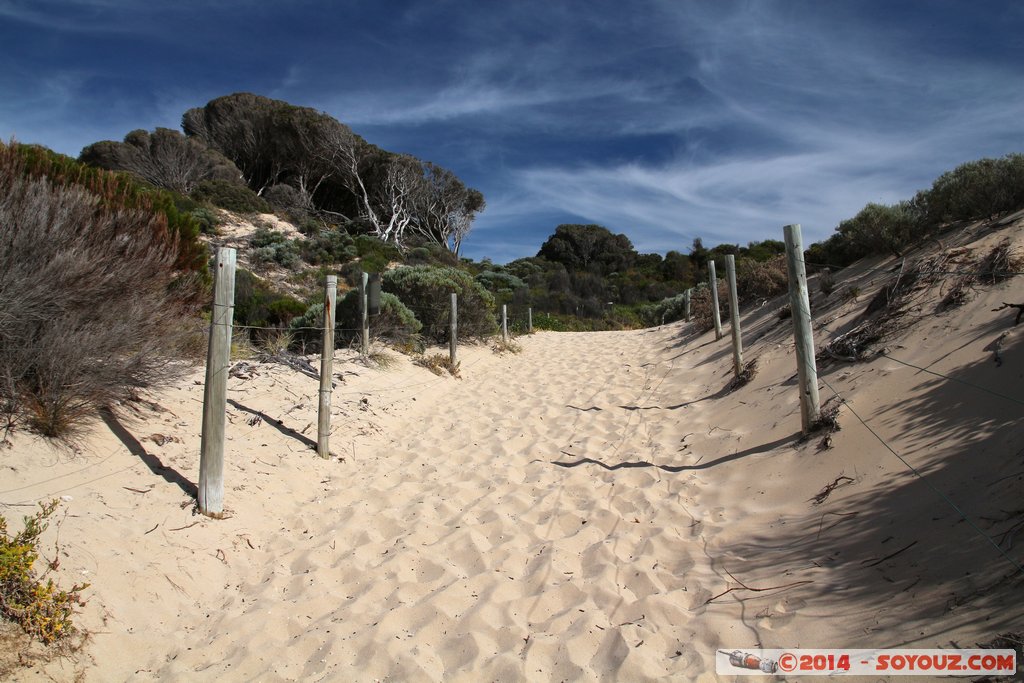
(701, 306)
(503, 346)
(758, 280)
(1002, 263)
(748, 373)
(91, 305)
(439, 363)
(884, 315)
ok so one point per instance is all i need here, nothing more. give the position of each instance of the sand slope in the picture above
(567, 513)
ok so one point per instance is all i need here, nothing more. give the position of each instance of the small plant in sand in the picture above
(826, 282)
(40, 608)
(503, 346)
(439, 363)
(379, 359)
(748, 373)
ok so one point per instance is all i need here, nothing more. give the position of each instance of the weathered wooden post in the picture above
(365, 314)
(218, 361)
(529, 320)
(504, 323)
(686, 303)
(453, 327)
(323, 425)
(799, 303)
(714, 299)
(734, 315)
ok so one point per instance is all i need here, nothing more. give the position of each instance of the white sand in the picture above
(565, 513)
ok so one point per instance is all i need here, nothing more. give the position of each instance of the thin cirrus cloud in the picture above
(665, 120)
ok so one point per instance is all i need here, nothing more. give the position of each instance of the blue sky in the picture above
(665, 120)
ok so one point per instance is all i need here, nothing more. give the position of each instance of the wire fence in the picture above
(915, 471)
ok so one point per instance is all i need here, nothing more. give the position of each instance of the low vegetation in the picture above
(29, 599)
(94, 302)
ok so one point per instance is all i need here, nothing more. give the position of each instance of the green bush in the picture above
(231, 196)
(374, 255)
(208, 220)
(396, 323)
(665, 311)
(427, 290)
(270, 246)
(257, 305)
(41, 609)
(328, 247)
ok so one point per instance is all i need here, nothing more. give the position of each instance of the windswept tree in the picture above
(165, 158)
(274, 143)
(332, 169)
(447, 207)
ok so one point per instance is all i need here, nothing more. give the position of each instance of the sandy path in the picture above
(577, 511)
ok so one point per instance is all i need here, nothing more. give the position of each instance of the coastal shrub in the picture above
(427, 290)
(328, 246)
(374, 255)
(758, 280)
(396, 323)
(882, 229)
(116, 192)
(439, 363)
(207, 220)
(667, 310)
(271, 246)
(259, 306)
(92, 304)
(229, 195)
(41, 609)
(164, 158)
(701, 308)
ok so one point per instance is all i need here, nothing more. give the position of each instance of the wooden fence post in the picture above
(453, 327)
(504, 323)
(714, 299)
(365, 313)
(529, 320)
(323, 425)
(218, 362)
(799, 303)
(686, 302)
(734, 315)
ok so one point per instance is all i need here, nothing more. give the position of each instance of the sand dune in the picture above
(577, 511)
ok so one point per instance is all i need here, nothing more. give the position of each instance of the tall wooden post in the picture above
(453, 327)
(323, 425)
(686, 303)
(218, 361)
(365, 313)
(504, 323)
(529, 320)
(799, 303)
(714, 299)
(734, 315)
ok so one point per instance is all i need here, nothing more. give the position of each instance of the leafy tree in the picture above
(589, 247)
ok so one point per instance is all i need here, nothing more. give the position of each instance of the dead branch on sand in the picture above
(743, 586)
